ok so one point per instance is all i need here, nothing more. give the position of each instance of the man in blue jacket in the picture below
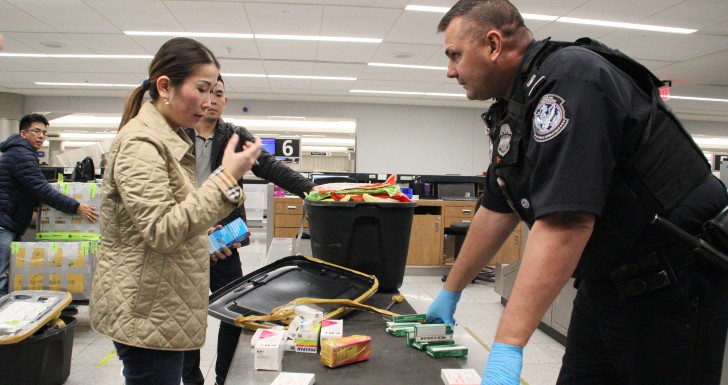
(23, 187)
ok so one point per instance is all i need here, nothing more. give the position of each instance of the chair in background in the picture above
(460, 230)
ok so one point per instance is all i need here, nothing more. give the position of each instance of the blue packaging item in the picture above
(235, 231)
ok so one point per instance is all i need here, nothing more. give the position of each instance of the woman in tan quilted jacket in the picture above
(150, 284)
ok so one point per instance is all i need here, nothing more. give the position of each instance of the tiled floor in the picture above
(95, 362)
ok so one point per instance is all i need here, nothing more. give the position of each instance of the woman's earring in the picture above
(166, 101)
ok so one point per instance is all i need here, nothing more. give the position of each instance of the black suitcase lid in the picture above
(285, 280)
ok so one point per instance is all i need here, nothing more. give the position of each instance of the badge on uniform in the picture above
(504, 139)
(549, 118)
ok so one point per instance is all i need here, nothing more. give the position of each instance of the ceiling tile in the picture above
(286, 50)
(282, 67)
(239, 66)
(358, 21)
(137, 15)
(277, 83)
(285, 19)
(225, 17)
(663, 46)
(338, 69)
(336, 85)
(426, 76)
(416, 27)
(345, 52)
(13, 18)
(109, 44)
(551, 8)
(614, 10)
(379, 85)
(67, 15)
(246, 83)
(396, 53)
(35, 42)
(359, 3)
(571, 32)
(385, 73)
(696, 14)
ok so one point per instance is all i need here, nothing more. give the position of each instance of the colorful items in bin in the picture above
(60, 266)
(55, 225)
(460, 377)
(345, 350)
(289, 378)
(359, 192)
(235, 231)
(269, 350)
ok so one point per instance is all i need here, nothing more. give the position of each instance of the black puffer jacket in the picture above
(23, 186)
(268, 167)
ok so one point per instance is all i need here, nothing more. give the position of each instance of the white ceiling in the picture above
(696, 63)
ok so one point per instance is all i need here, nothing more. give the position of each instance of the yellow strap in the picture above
(285, 313)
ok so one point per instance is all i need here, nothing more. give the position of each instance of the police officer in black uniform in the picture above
(585, 154)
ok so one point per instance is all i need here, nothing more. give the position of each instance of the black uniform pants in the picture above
(673, 335)
(221, 273)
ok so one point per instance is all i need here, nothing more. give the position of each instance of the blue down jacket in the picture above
(23, 187)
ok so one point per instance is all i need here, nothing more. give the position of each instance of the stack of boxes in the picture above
(63, 257)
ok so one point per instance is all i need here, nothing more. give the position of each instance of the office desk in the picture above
(391, 362)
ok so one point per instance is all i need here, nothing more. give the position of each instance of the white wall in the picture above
(390, 138)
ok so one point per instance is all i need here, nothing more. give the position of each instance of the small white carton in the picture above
(307, 312)
(259, 331)
(269, 350)
(332, 328)
(288, 378)
(460, 377)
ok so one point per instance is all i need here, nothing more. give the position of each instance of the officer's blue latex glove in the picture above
(504, 365)
(443, 308)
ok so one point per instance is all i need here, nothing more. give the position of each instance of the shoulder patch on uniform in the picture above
(549, 118)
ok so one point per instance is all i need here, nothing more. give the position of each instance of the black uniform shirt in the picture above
(581, 112)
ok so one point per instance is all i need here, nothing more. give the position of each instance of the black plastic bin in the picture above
(41, 359)
(370, 237)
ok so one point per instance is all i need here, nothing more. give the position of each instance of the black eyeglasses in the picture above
(38, 131)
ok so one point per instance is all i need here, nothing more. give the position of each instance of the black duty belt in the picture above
(651, 271)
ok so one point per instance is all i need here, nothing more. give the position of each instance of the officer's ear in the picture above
(494, 41)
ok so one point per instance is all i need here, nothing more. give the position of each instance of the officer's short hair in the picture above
(29, 119)
(486, 14)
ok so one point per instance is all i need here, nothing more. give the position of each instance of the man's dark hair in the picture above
(219, 78)
(29, 119)
(485, 14)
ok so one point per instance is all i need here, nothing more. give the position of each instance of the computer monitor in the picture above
(269, 144)
(455, 190)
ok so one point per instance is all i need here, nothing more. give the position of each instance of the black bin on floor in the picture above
(41, 359)
(370, 237)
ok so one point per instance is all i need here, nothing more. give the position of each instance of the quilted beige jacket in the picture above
(150, 286)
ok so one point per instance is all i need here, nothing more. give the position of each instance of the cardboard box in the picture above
(288, 378)
(235, 231)
(60, 266)
(307, 336)
(55, 225)
(345, 350)
(460, 377)
(269, 350)
(331, 328)
(446, 351)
